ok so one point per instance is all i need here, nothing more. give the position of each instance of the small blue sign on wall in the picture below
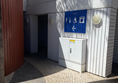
(75, 21)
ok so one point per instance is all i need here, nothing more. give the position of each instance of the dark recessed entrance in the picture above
(42, 34)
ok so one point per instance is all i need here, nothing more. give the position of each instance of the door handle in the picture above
(70, 50)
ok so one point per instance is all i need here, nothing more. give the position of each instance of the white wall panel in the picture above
(44, 8)
(114, 3)
(53, 39)
(34, 2)
(101, 3)
(24, 5)
(51, 6)
(33, 34)
(99, 44)
(97, 40)
(106, 40)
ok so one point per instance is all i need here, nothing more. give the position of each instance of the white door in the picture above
(75, 51)
(64, 47)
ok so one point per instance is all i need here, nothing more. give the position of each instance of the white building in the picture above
(100, 38)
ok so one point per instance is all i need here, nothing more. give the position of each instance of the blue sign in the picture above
(75, 21)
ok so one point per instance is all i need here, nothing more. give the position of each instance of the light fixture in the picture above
(27, 20)
(51, 20)
(96, 19)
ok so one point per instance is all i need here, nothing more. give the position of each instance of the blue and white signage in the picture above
(75, 21)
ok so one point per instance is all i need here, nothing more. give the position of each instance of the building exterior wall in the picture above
(24, 5)
(111, 37)
(93, 3)
(34, 2)
(115, 57)
(53, 38)
(98, 37)
(51, 6)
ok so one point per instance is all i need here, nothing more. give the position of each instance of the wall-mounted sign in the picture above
(75, 21)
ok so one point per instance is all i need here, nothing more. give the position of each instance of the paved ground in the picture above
(53, 73)
(27, 73)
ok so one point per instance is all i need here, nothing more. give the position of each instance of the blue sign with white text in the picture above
(75, 21)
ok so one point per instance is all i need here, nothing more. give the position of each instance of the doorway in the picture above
(36, 35)
(42, 34)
